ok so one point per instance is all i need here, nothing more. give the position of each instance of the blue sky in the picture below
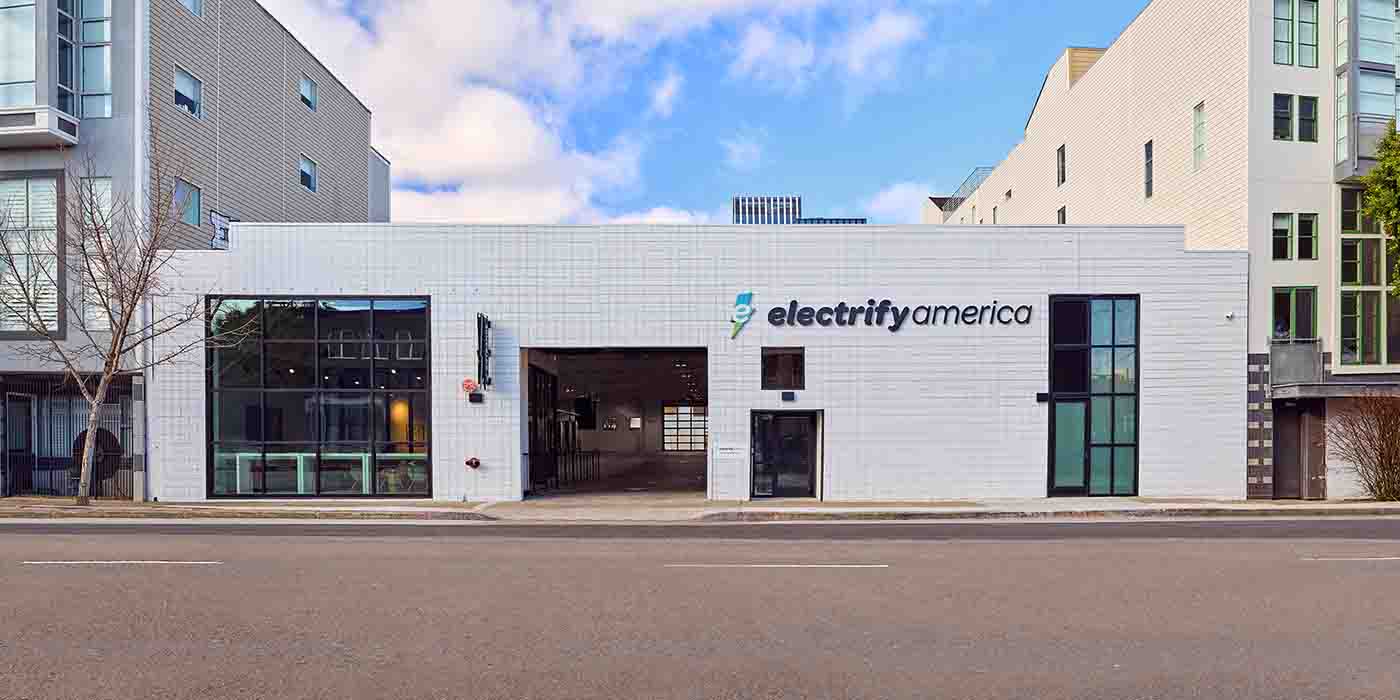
(587, 111)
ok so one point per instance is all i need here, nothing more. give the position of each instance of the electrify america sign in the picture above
(881, 314)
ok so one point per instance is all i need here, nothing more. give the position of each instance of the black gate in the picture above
(45, 426)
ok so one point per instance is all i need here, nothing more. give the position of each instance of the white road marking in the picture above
(777, 566)
(124, 562)
(1351, 559)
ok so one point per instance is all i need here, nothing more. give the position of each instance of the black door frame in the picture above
(817, 454)
(1086, 398)
(12, 485)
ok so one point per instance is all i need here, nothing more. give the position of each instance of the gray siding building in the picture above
(219, 91)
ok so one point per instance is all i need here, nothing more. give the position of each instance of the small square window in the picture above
(309, 179)
(784, 369)
(188, 200)
(194, 6)
(189, 93)
(309, 95)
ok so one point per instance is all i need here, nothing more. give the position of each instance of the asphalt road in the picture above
(1134, 610)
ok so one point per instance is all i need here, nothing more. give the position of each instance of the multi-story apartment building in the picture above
(781, 210)
(1250, 123)
(256, 127)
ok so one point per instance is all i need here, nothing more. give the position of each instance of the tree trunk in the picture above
(90, 441)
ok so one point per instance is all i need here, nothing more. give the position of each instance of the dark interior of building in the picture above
(616, 421)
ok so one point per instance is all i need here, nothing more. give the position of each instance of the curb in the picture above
(796, 516)
(161, 514)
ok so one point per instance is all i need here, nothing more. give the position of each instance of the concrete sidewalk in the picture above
(688, 507)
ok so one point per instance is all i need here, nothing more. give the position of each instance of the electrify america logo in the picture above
(743, 312)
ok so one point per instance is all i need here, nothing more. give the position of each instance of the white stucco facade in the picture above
(928, 412)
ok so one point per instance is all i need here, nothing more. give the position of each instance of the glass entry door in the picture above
(1094, 396)
(19, 444)
(784, 455)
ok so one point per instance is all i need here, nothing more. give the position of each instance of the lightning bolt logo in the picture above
(743, 311)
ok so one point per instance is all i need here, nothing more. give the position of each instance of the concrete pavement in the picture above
(1025, 609)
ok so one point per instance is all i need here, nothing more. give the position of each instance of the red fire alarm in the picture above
(469, 386)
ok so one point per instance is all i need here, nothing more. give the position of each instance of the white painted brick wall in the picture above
(927, 413)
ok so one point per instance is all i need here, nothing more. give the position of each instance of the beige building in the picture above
(257, 127)
(1250, 123)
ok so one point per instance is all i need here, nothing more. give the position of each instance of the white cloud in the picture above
(743, 151)
(664, 215)
(871, 50)
(665, 94)
(900, 203)
(773, 56)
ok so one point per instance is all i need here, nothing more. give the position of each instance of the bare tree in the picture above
(1365, 432)
(101, 270)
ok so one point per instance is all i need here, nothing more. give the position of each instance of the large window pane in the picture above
(1071, 371)
(346, 469)
(343, 319)
(1124, 419)
(1376, 92)
(345, 366)
(1393, 329)
(238, 469)
(241, 316)
(398, 371)
(402, 470)
(1101, 311)
(97, 69)
(291, 416)
(1371, 261)
(401, 319)
(1305, 313)
(1069, 445)
(289, 319)
(1370, 328)
(1283, 314)
(17, 54)
(345, 417)
(237, 416)
(1124, 471)
(1125, 370)
(1101, 373)
(1101, 471)
(1071, 323)
(237, 365)
(1101, 425)
(1125, 322)
(290, 470)
(291, 365)
(401, 418)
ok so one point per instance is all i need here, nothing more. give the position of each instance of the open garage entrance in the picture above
(615, 420)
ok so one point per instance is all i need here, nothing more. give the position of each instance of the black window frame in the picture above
(1147, 169)
(801, 368)
(1061, 167)
(1062, 216)
(1307, 126)
(1283, 117)
(1086, 398)
(374, 446)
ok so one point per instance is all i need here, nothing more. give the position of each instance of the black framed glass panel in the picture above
(326, 396)
(1094, 395)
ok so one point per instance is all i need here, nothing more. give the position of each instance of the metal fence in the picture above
(45, 424)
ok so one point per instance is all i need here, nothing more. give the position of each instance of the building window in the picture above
(1283, 117)
(1295, 313)
(684, 428)
(309, 177)
(1283, 32)
(1094, 395)
(1307, 236)
(1198, 136)
(1369, 335)
(187, 200)
(1343, 122)
(1307, 119)
(784, 369)
(1062, 216)
(17, 61)
(67, 69)
(1375, 31)
(1342, 32)
(1147, 169)
(96, 57)
(29, 208)
(1283, 237)
(297, 409)
(1307, 33)
(194, 6)
(994, 216)
(309, 94)
(189, 93)
(1375, 94)
(1060, 166)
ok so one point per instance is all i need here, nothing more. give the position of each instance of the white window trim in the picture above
(174, 76)
(315, 174)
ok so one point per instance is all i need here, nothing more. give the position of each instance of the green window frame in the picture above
(1361, 327)
(1307, 33)
(1294, 313)
(1283, 32)
(1283, 236)
(1307, 237)
(1307, 119)
(1283, 117)
(1369, 316)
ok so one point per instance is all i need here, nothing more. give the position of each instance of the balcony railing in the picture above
(38, 126)
(1295, 362)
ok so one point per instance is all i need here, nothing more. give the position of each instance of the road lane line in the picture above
(1351, 559)
(123, 562)
(777, 566)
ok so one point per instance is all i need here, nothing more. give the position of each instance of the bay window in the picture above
(17, 53)
(1369, 314)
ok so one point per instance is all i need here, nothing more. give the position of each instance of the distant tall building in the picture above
(767, 210)
(780, 210)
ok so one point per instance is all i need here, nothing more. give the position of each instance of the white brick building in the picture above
(1142, 392)
(1249, 123)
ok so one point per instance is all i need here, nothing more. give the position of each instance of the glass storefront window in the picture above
(326, 397)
